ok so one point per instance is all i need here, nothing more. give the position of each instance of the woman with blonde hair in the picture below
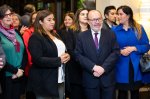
(68, 38)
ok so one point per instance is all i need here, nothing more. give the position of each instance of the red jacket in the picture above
(26, 37)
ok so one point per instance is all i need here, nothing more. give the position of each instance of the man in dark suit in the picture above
(97, 52)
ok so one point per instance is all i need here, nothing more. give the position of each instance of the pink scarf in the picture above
(10, 34)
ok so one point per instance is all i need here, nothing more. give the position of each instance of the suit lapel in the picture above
(91, 43)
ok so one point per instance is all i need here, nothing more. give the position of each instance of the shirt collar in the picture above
(120, 27)
(95, 32)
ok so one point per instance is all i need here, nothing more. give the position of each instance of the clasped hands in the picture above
(98, 70)
(18, 74)
(65, 57)
(127, 50)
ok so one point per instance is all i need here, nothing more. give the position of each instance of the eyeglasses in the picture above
(10, 14)
(95, 20)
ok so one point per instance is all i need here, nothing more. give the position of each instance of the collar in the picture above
(120, 27)
(11, 26)
(95, 32)
(109, 25)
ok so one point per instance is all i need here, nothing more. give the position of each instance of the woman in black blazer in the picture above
(73, 68)
(48, 56)
(69, 40)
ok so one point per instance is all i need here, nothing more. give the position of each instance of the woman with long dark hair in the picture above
(133, 43)
(46, 76)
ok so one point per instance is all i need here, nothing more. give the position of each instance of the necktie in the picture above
(96, 40)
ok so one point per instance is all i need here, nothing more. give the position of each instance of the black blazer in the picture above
(43, 76)
(106, 56)
(73, 69)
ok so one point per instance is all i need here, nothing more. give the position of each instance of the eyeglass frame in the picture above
(10, 14)
(96, 19)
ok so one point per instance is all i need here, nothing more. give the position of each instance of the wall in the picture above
(136, 6)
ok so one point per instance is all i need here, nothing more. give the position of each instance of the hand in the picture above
(65, 58)
(1, 63)
(124, 52)
(131, 48)
(127, 50)
(96, 74)
(19, 73)
(98, 69)
(14, 76)
(22, 30)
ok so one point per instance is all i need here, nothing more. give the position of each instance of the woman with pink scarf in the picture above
(13, 47)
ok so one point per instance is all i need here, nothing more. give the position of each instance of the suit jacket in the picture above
(106, 26)
(106, 56)
(43, 75)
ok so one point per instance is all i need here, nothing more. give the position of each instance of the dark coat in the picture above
(73, 68)
(106, 26)
(43, 76)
